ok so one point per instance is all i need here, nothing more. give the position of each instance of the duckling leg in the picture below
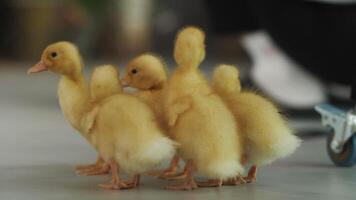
(252, 174)
(100, 167)
(178, 176)
(171, 170)
(189, 183)
(116, 183)
(238, 180)
(134, 182)
(173, 167)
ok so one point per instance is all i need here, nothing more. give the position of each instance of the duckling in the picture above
(198, 119)
(148, 73)
(122, 128)
(226, 77)
(103, 83)
(265, 132)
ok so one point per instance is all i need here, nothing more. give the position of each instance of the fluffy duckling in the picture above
(265, 132)
(198, 119)
(148, 73)
(227, 85)
(121, 127)
(104, 82)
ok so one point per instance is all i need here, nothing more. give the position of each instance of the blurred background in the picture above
(108, 29)
(298, 53)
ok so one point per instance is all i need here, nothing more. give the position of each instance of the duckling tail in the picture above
(189, 48)
(226, 80)
(104, 82)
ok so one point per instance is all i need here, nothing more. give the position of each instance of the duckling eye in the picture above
(134, 71)
(54, 54)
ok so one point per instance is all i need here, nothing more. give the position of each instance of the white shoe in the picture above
(280, 77)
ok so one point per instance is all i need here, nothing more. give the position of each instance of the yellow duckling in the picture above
(122, 128)
(248, 108)
(198, 119)
(265, 132)
(148, 73)
(103, 83)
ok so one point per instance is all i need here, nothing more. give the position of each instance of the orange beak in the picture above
(39, 67)
(125, 82)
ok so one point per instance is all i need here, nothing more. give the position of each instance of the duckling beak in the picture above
(125, 82)
(39, 67)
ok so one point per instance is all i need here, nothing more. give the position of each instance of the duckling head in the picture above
(189, 49)
(62, 58)
(226, 79)
(144, 72)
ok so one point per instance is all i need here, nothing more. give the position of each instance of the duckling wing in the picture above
(88, 120)
(179, 106)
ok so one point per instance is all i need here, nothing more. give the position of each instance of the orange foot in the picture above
(211, 183)
(178, 176)
(252, 174)
(134, 182)
(116, 183)
(189, 183)
(94, 170)
(238, 180)
(170, 171)
(100, 167)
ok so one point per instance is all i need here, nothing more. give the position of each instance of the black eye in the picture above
(54, 54)
(134, 71)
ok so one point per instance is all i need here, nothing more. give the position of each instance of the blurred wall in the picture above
(102, 29)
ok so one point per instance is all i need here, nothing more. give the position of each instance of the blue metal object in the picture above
(341, 143)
